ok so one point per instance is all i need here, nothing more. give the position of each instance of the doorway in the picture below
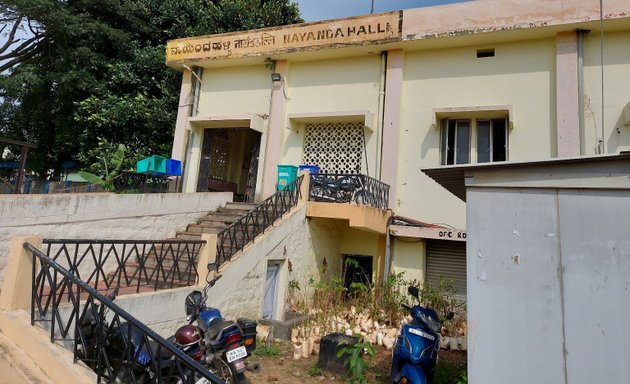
(357, 271)
(229, 162)
(270, 298)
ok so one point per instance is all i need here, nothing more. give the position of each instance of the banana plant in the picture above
(107, 180)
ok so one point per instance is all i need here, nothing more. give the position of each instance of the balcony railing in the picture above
(349, 188)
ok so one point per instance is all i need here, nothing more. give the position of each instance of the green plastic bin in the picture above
(286, 175)
(152, 164)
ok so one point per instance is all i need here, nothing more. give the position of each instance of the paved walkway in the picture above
(16, 367)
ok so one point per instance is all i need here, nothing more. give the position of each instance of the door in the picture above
(252, 174)
(357, 271)
(204, 164)
(270, 300)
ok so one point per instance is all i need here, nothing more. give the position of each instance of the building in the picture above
(389, 94)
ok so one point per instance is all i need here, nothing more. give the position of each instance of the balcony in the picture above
(360, 199)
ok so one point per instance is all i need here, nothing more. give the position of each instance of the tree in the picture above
(79, 70)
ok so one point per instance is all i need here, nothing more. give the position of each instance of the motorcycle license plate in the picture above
(236, 354)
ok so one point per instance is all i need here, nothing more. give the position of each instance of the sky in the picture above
(315, 10)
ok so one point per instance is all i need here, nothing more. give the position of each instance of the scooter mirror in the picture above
(413, 291)
(212, 266)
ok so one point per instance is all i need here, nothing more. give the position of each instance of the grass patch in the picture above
(448, 373)
(267, 350)
(314, 370)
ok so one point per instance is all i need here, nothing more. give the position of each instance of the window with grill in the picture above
(334, 147)
(487, 137)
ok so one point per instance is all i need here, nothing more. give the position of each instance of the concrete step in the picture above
(242, 206)
(205, 228)
(228, 211)
(183, 235)
(223, 218)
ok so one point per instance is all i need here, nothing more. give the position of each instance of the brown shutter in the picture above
(448, 259)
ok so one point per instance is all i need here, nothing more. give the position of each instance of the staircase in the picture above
(250, 220)
(215, 222)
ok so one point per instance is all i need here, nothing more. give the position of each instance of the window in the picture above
(334, 147)
(458, 146)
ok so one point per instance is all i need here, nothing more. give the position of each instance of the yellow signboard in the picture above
(385, 27)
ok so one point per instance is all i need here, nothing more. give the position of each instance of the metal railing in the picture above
(243, 231)
(138, 353)
(132, 265)
(349, 188)
(126, 182)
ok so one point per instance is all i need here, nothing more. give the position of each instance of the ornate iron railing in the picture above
(243, 231)
(132, 265)
(117, 346)
(349, 188)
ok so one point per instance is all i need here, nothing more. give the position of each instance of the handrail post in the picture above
(207, 255)
(305, 187)
(18, 285)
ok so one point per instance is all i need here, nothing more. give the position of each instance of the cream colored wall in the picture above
(235, 90)
(521, 74)
(494, 15)
(362, 243)
(616, 95)
(409, 256)
(193, 158)
(325, 243)
(348, 84)
(334, 85)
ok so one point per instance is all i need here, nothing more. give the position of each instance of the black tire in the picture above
(239, 378)
(222, 370)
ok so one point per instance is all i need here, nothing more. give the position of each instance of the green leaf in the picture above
(119, 156)
(91, 178)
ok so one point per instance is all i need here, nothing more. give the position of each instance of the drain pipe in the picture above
(387, 267)
(381, 114)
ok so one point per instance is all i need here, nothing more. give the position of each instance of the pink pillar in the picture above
(183, 112)
(567, 95)
(275, 129)
(391, 122)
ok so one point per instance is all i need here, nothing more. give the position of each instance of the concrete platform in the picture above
(28, 356)
(16, 366)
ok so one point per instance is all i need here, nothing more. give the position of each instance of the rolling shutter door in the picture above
(447, 259)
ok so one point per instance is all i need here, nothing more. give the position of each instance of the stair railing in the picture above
(131, 265)
(243, 231)
(79, 315)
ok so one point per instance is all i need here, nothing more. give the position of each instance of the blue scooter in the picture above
(416, 351)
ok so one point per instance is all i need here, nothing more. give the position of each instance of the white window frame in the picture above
(473, 139)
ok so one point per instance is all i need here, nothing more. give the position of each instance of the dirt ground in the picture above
(282, 369)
